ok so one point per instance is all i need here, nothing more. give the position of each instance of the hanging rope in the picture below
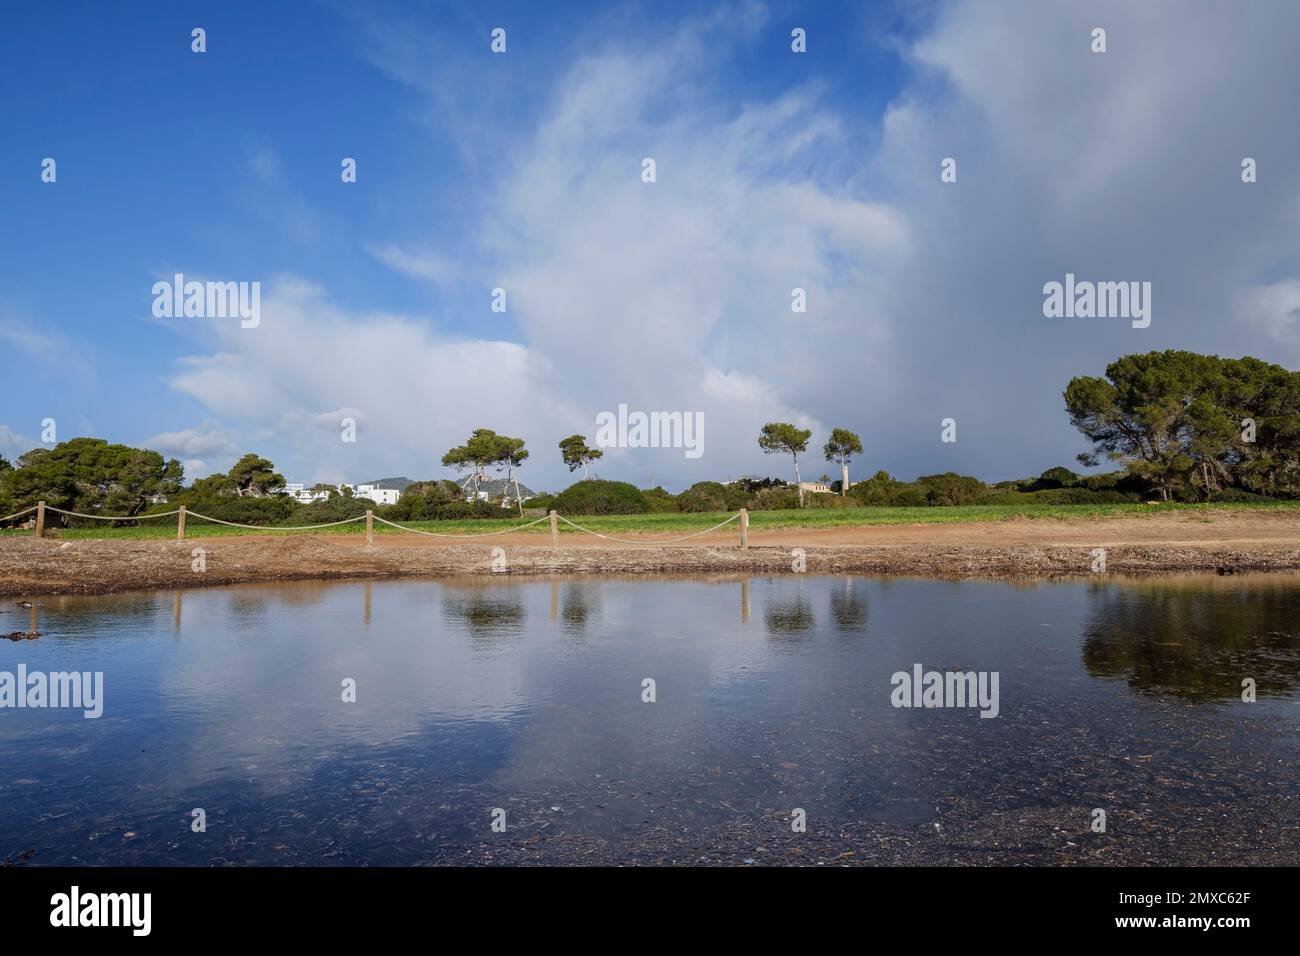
(436, 534)
(392, 524)
(78, 514)
(251, 527)
(685, 537)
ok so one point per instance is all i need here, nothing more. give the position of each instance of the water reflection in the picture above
(526, 693)
(849, 607)
(577, 607)
(487, 610)
(789, 615)
(1197, 639)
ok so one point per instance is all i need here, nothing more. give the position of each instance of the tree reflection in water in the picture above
(1196, 640)
(849, 606)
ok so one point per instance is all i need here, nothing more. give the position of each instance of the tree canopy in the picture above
(478, 452)
(92, 476)
(843, 445)
(785, 438)
(255, 477)
(1192, 425)
(577, 454)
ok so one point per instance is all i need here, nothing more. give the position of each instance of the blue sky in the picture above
(521, 170)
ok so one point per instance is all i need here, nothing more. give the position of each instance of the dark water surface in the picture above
(772, 694)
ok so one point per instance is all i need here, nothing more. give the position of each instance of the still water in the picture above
(528, 696)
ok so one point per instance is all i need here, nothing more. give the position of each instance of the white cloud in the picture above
(1275, 308)
(924, 299)
(202, 450)
(414, 393)
(424, 264)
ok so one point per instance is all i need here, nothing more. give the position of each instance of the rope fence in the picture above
(17, 514)
(78, 514)
(253, 527)
(685, 537)
(438, 534)
(181, 513)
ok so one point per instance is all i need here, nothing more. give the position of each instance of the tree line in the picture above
(1180, 426)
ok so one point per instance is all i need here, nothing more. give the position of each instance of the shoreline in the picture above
(32, 568)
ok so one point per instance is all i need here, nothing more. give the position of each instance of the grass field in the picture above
(683, 523)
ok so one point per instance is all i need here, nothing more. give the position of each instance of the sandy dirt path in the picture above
(1182, 529)
(1226, 542)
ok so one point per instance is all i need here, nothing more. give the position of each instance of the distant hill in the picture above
(398, 483)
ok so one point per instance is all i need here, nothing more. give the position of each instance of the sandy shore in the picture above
(1227, 541)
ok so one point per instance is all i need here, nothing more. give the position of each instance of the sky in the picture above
(523, 171)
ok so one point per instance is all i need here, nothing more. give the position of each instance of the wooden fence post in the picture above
(555, 530)
(40, 519)
(180, 524)
(370, 527)
(744, 527)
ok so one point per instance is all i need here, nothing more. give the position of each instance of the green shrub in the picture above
(599, 497)
(660, 501)
(951, 488)
(703, 496)
(776, 498)
(909, 495)
(1082, 496)
(713, 496)
(274, 509)
(1054, 478)
(428, 501)
(334, 508)
(1237, 495)
(824, 500)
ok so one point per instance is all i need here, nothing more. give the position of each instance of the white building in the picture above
(380, 496)
(816, 487)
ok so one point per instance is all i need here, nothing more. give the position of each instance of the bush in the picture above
(712, 496)
(1237, 495)
(703, 496)
(880, 490)
(460, 510)
(275, 509)
(909, 495)
(752, 486)
(1060, 496)
(1054, 478)
(823, 500)
(599, 497)
(1082, 496)
(951, 488)
(429, 501)
(334, 508)
(660, 501)
(774, 498)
